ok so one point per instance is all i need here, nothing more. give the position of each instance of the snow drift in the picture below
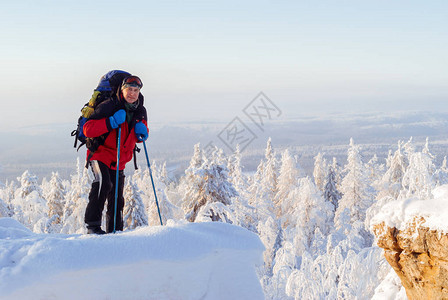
(178, 261)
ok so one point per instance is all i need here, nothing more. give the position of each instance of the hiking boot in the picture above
(95, 230)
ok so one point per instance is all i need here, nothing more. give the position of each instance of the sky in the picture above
(205, 60)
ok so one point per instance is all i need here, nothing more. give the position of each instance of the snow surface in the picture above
(398, 213)
(181, 260)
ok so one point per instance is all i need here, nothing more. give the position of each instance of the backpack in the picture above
(107, 87)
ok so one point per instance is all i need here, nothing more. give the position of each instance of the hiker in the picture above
(125, 110)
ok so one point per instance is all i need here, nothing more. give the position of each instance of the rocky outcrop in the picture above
(419, 256)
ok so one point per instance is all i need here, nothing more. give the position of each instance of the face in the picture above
(130, 94)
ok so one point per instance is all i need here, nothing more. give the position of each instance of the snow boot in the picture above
(95, 230)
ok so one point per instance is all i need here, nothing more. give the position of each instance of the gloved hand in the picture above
(118, 118)
(141, 131)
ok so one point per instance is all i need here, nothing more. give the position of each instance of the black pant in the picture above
(103, 187)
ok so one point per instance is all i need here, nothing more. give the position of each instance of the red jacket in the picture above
(107, 153)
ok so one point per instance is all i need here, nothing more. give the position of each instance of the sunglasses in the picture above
(133, 80)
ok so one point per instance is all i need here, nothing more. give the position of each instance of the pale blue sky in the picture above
(205, 60)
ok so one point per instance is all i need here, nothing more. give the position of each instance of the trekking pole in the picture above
(152, 181)
(116, 179)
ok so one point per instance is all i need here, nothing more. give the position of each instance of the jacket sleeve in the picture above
(94, 128)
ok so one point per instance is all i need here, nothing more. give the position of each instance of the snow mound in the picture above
(10, 228)
(178, 261)
(398, 213)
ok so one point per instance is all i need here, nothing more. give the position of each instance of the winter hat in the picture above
(133, 81)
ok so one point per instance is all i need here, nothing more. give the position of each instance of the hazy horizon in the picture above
(50, 147)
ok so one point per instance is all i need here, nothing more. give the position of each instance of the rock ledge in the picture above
(419, 256)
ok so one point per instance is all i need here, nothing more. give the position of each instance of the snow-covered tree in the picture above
(287, 180)
(239, 212)
(441, 174)
(216, 212)
(255, 185)
(55, 195)
(409, 148)
(263, 189)
(307, 282)
(337, 169)
(4, 211)
(29, 204)
(331, 193)
(319, 172)
(269, 179)
(391, 182)
(236, 176)
(357, 193)
(28, 184)
(198, 157)
(134, 213)
(196, 162)
(309, 211)
(375, 171)
(217, 156)
(168, 210)
(285, 262)
(270, 233)
(206, 184)
(418, 178)
(76, 201)
(7, 195)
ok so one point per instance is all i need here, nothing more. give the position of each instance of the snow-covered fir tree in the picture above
(236, 176)
(76, 201)
(319, 172)
(357, 193)
(30, 207)
(441, 174)
(28, 185)
(391, 182)
(264, 186)
(4, 211)
(375, 171)
(285, 262)
(418, 178)
(207, 184)
(255, 184)
(134, 212)
(7, 195)
(287, 181)
(309, 211)
(243, 214)
(271, 235)
(269, 179)
(197, 159)
(196, 162)
(55, 195)
(337, 169)
(331, 193)
(168, 210)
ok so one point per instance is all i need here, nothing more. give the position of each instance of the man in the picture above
(124, 110)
